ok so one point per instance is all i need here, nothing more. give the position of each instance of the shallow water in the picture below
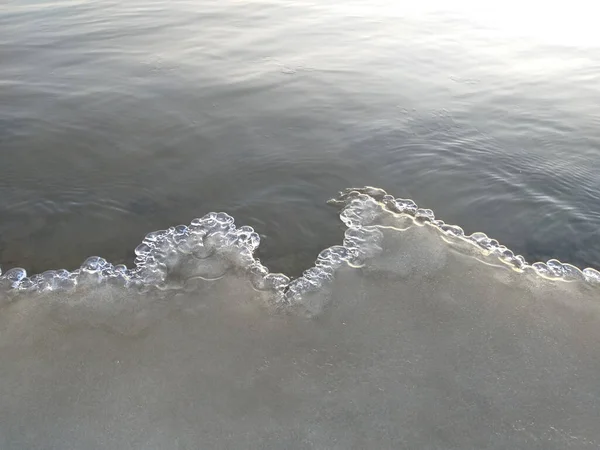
(120, 118)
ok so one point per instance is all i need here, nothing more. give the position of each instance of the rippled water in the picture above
(118, 118)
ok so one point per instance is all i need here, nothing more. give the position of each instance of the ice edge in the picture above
(216, 234)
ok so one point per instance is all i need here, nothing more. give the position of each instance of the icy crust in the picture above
(552, 269)
(211, 245)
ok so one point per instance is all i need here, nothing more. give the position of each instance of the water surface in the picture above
(120, 118)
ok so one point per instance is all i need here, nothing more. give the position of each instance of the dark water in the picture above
(118, 118)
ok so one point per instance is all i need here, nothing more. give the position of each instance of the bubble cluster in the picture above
(552, 269)
(215, 239)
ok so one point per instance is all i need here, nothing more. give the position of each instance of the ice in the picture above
(409, 335)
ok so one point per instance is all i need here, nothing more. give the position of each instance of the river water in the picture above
(119, 118)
